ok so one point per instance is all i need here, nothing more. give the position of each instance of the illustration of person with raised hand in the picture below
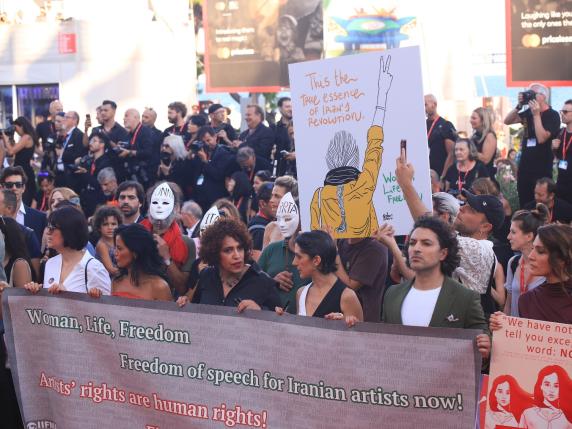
(507, 402)
(345, 202)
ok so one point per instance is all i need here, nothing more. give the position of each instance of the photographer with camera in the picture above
(175, 164)
(224, 131)
(541, 125)
(87, 171)
(211, 160)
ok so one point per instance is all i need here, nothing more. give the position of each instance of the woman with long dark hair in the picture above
(507, 402)
(23, 152)
(519, 279)
(552, 401)
(16, 262)
(141, 269)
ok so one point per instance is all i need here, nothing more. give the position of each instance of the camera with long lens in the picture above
(527, 97)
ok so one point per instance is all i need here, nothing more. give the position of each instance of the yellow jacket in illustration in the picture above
(346, 202)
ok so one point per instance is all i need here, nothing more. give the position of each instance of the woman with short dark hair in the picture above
(73, 269)
(229, 280)
(326, 296)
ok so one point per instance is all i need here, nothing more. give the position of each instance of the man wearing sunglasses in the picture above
(563, 153)
(14, 179)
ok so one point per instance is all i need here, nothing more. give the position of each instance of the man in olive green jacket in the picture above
(432, 298)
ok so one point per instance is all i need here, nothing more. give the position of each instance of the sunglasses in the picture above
(9, 185)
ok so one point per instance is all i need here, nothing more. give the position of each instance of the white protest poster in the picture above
(351, 114)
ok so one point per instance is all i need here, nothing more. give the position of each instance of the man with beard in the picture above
(130, 197)
(177, 250)
(114, 132)
(176, 116)
(108, 185)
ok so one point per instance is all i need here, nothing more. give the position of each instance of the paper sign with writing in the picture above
(352, 113)
(530, 383)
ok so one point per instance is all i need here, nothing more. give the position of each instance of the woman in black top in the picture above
(326, 296)
(466, 169)
(229, 280)
(23, 152)
(484, 137)
(240, 190)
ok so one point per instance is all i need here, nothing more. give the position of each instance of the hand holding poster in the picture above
(355, 111)
(117, 363)
(530, 383)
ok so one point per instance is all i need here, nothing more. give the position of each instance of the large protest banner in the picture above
(121, 363)
(346, 173)
(249, 43)
(538, 42)
(530, 382)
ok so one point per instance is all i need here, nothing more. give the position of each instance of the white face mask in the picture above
(287, 216)
(210, 217)
(162, 202)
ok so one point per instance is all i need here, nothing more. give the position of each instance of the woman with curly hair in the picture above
(230, 280)
(141, 269)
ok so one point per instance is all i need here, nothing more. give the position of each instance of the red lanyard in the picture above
(132, 142)
(523, 284)
(432, 126)
(92, 169)
(459, 183)
(237, 205)
(565, 144)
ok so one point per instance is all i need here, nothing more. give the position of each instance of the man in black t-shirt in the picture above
(563, 152)
(176, 115)
(441, 137)
(541, 125)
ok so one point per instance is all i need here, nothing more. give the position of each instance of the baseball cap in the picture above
(214, 107)
(489, 205)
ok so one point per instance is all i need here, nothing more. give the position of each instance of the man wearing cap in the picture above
(224, 131)
(541, 125)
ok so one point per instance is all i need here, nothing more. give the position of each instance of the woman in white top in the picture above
(523, 228)
(73, 269)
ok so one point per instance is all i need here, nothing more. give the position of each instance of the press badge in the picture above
(531, 143)
(563, 164)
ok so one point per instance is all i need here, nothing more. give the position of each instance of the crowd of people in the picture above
(199, 213)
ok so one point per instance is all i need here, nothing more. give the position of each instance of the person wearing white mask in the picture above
(276, 258)
(177, 250)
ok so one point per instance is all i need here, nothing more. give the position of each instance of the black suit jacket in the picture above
(261, 140)
(74, 148)
(35, 220)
